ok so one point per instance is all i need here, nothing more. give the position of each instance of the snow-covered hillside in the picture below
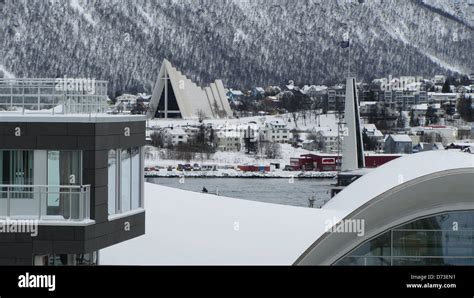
(244, 42)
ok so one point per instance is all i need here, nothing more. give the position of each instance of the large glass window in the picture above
(443, 239)
(112, 181)
(16, 168)
(136, 178)
(126, 175)
(124, 180)
(64, 168)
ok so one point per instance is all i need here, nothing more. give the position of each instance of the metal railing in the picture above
(45, 202)
(43, 96)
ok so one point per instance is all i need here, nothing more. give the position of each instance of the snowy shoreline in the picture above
(238, 174)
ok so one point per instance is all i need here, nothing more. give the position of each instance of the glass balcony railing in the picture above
(45, 202)
(53, 96)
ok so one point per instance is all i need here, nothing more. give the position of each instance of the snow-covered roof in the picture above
(175, 131)
(367, 103)
(314, 88)
(387, 176)
(401, 138)
(328, 133)
(373, 129)
(198, 229)
(420, 107)
(236, 92)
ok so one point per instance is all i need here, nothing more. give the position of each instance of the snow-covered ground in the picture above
(228, 158)
(305, 123)
(187, 228)
(232, 173)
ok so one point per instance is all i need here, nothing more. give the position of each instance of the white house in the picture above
(275, 131)
(329, 139)
(175, 136)
(228, 138)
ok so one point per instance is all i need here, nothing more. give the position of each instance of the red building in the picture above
(329, 162)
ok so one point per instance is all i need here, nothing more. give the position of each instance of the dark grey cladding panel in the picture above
(57, 142)
(16, 250)
(89, 159)
(8, 128)
(88, 177)
(92, 159)
(101, 194)
(70, 239)
(119, 236)
(86, 142)
(68, 247)
(101, 177)
(23, 142)
(47, 129)
(101, 213)
(7, 237)
(101, 158)
(118, 128)
(71, 136)
(107, 142)
(80, 129)
(23, 237)
(42, 247)
(16, 261)
(132, 141)
(56, 233)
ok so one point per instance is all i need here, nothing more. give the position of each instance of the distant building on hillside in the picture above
(422, 146)
(336, 98)
(275, 131)
(228, 138)
(404, 99)
(398, 144)
(235, 95)
(329, 140)
(175, 136)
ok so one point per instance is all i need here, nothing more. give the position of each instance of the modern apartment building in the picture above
(70, 170)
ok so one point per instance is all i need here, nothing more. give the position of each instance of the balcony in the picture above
(42, 96)
(62, 203)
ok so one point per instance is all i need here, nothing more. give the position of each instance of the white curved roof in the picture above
(191, 228)
(397, 171)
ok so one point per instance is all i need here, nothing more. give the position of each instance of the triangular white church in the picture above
(176, 96)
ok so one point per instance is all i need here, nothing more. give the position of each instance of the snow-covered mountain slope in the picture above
(244, 42)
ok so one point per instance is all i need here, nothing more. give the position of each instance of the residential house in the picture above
(275, 131)
(395, 143)
(423, 146)
(175, 136)
(328, 138)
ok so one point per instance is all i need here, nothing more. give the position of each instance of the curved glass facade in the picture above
(442, 239)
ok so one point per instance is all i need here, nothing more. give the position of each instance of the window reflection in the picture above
(443, 239)
(112, 181)
(126, 180)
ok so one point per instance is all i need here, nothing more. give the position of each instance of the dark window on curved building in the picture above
(443, 239)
